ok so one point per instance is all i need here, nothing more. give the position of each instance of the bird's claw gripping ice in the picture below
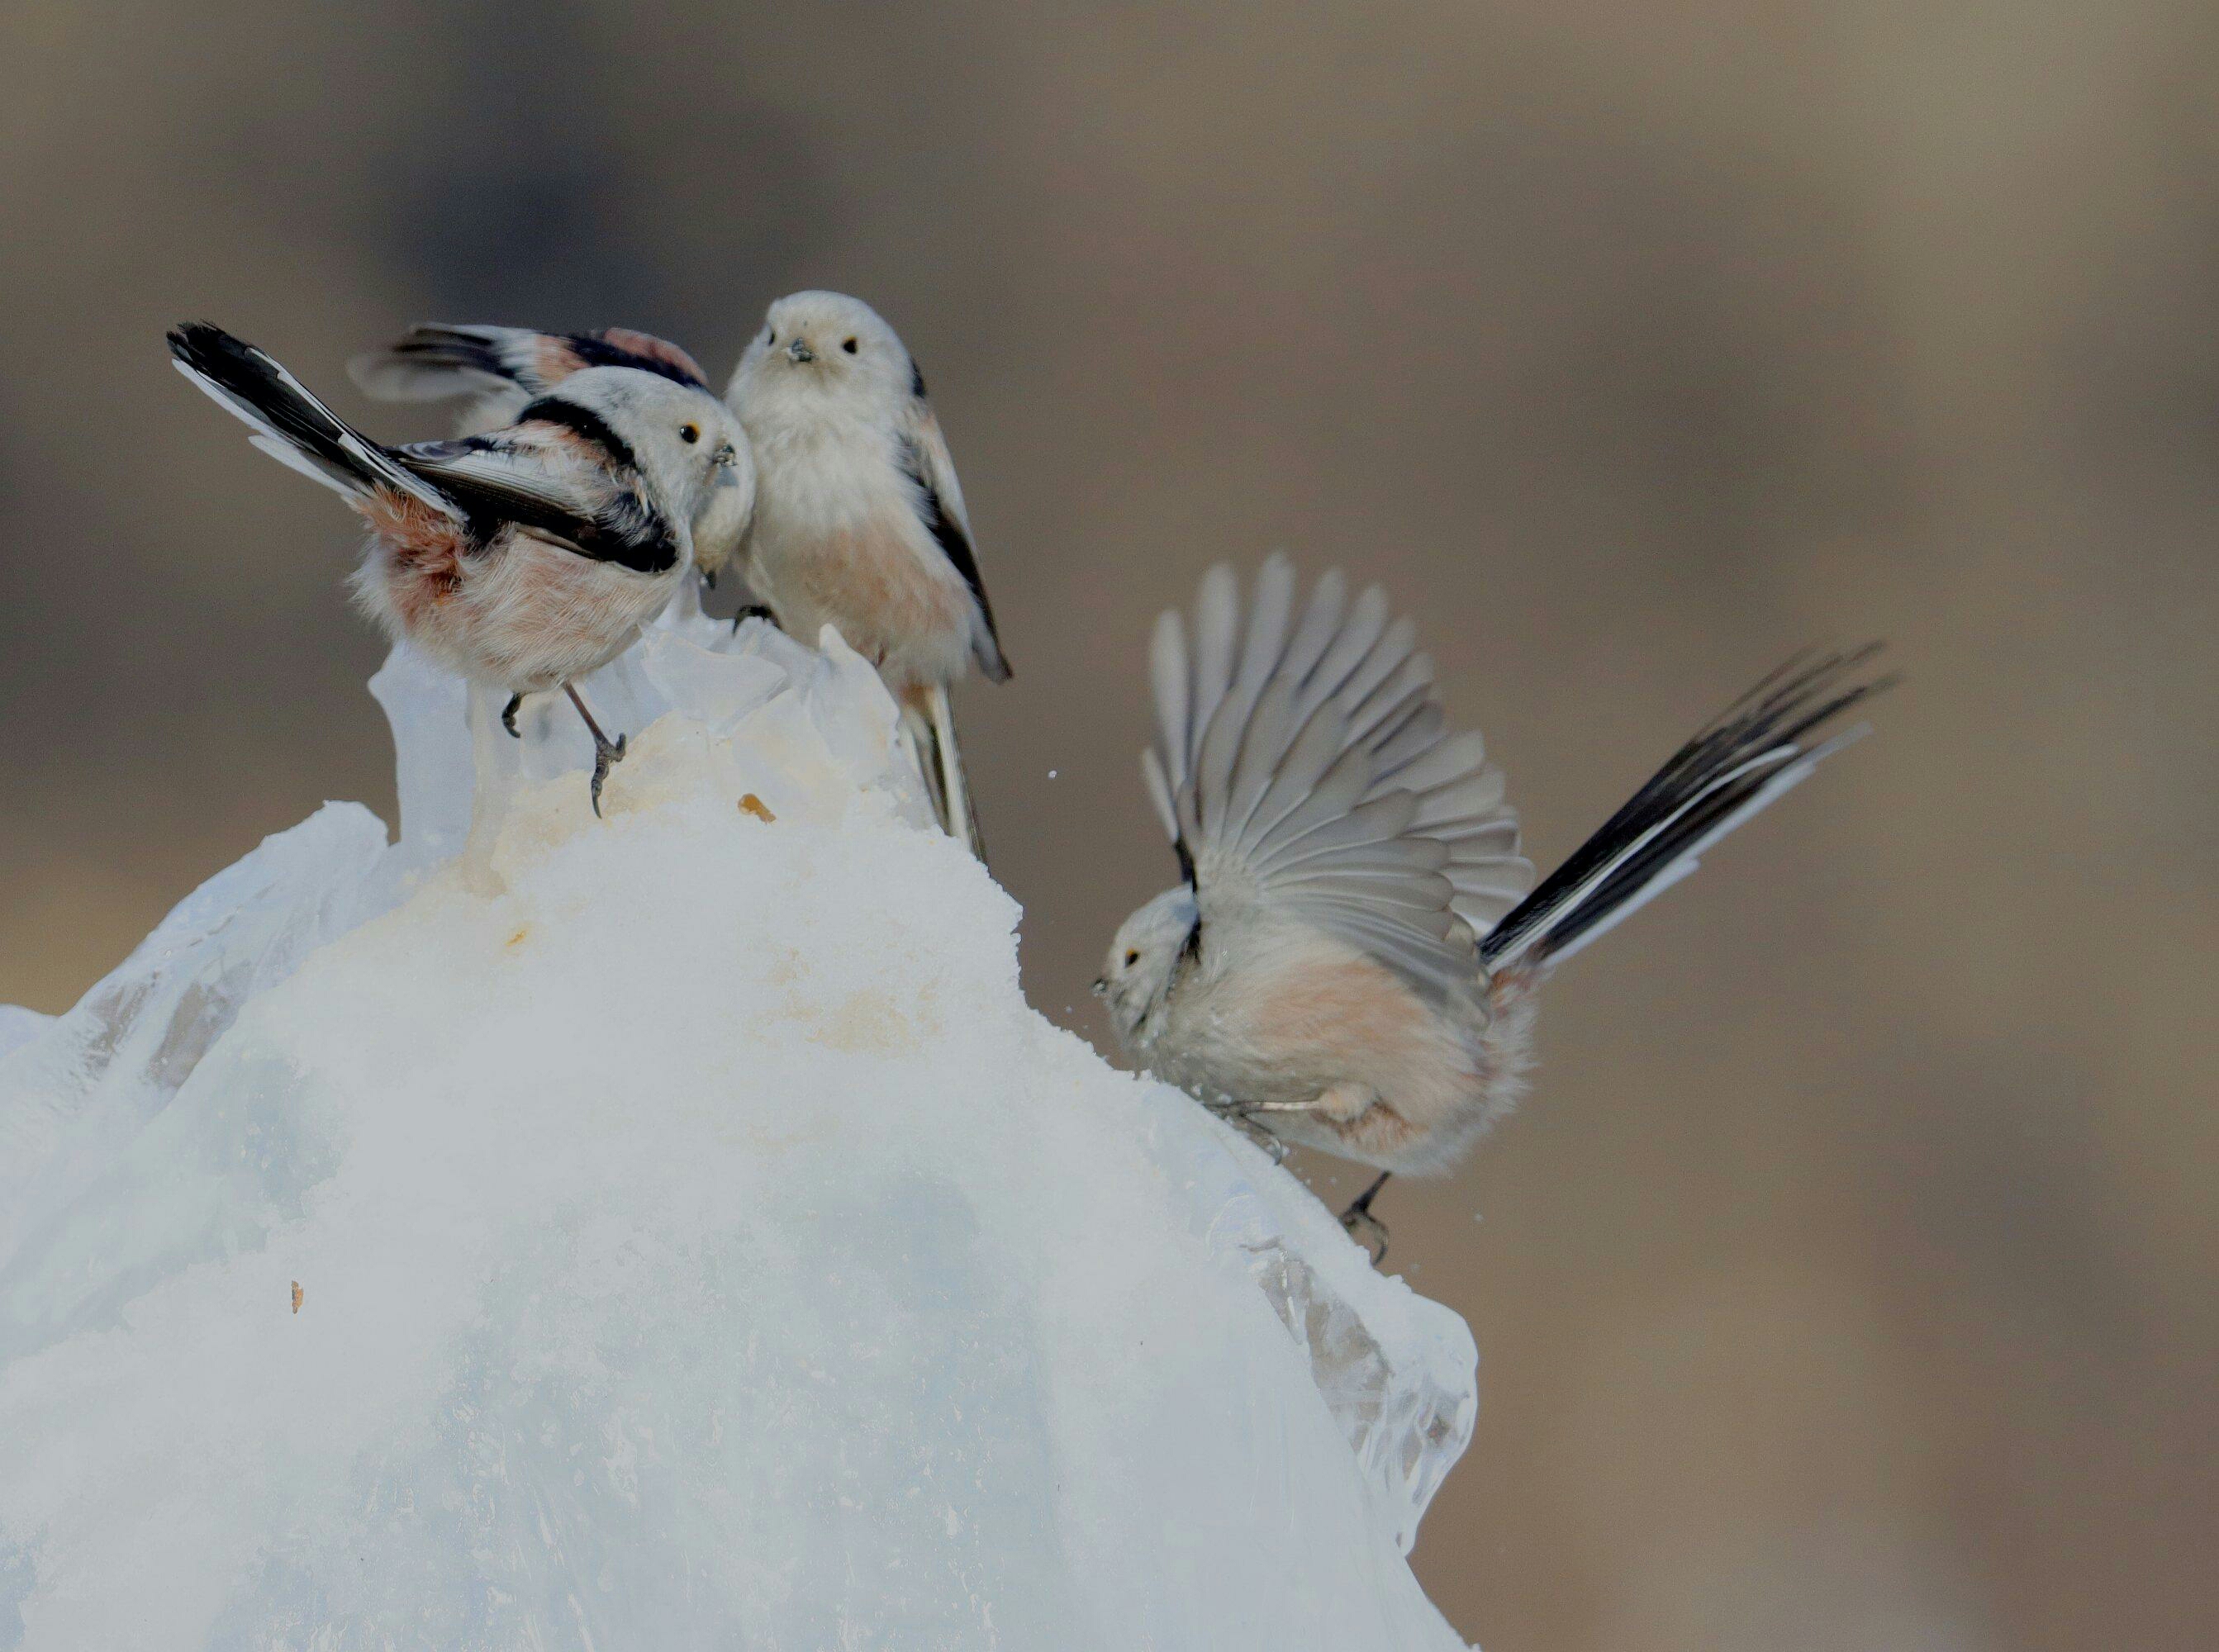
(1368, 1231)
(1244, 1117)
(607, 755)
(508, 716)
(1362, 1225)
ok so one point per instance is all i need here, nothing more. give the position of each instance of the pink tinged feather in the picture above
(650, 348)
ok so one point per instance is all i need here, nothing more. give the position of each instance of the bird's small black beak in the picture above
(1101, 986)
(798, 352)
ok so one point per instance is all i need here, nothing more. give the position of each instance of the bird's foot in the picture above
(607, 755)
(1362, 1225)
(1366, 1230)
(508, 716)
(1248, 1118)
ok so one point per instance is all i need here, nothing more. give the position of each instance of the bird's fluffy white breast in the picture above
(832, 499)
(821, 476)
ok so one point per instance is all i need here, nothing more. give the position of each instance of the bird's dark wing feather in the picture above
(435, 362)
(542, 482)
(623, 347)
(925, 459)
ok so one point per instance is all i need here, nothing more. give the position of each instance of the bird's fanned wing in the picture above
(503, 368)
(1302, 760)
(925, 457)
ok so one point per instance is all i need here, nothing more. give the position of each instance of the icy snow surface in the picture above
(698, 1242)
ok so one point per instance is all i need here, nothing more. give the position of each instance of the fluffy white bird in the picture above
(521, 559)
(498, 371)
(859, 517)
(1351, 960)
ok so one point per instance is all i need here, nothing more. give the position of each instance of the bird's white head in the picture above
(720, 525)
(1136, 979)
(824, 352)
(686, 443)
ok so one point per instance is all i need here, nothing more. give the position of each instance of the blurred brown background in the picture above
(1849, 1282)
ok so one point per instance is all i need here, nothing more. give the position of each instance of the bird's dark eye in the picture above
(689, 433)
(1132, 958)
(848, 344)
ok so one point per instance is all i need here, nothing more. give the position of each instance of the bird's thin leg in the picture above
(1359, 1219)
(606, 753)
(508, 715)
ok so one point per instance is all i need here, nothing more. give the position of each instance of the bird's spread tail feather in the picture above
(289, 424)
(1750, 755)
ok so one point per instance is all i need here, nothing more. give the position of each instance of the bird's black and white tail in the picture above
(928, 726)
(1755, 751)
(289, 424)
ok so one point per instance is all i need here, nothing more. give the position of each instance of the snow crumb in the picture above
(701, 1241)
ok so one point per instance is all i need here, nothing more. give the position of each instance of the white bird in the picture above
(498, 371)
(859, 521)
(1351, 961)
(521, 559)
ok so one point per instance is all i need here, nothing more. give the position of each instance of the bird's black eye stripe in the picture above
(848, 344)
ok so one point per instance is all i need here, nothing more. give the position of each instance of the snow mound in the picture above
(667, 1231)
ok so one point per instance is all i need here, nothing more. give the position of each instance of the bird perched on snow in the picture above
(1350, 962)
(521, 559)
(498, 371)
(860, 520)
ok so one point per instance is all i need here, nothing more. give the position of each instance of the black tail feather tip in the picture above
(1735, 766)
